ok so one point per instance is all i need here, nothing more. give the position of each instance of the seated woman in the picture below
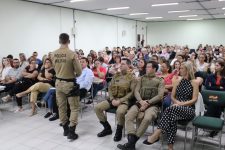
(46, 81)
(29, 77)
(141, 68)
(184, 95)
(216, 82)
(168, 78)
(6, 66)
(99, 78)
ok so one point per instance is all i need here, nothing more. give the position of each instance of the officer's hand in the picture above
(143, 103)
(115, 102)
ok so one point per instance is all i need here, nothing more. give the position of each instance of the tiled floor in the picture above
(20, 132)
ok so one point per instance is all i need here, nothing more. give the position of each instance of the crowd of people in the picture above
(139, 81)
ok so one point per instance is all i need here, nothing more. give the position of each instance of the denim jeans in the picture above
(49, 98)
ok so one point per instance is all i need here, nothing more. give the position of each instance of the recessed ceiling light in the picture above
(153, 17)
(165, 4)
(178, 11)
(118, 8)
(73, 1)
(195, 19)
(188, 16)
(223, 8)
(221, 0)
(136, 14)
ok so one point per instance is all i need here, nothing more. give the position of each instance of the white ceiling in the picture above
(206, 9)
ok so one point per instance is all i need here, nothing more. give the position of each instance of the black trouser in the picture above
(19, 87)
(8, 87)
(83, 93)
(214, 110)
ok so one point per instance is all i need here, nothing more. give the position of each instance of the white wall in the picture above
(27, 27)
(189, 33)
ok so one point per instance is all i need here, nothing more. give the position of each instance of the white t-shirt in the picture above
(5, 72)
(201, 67)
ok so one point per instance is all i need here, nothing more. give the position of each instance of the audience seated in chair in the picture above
(216, 82)
(29, 77)
(11, 78)
(120, 92)
(99, 80)
(149, 93)
(46, 81)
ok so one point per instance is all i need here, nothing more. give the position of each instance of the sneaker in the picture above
(54, 117)
(47, 115)
(18, 110)
(6, 98)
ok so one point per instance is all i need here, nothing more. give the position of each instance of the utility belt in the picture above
(75, 91)
(67, 80)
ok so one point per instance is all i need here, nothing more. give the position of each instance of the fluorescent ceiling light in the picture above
(73, 1)
(178, 11)
(136, 14)
(223, 8)
(188, 16)
(153, 17)
(195, 19)
(118, 8)
(221, 0)
(165, 4)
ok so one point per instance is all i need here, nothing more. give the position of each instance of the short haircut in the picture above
(64, 38)
(101, 59)
(128, 62)
(16, 59)
(154, 65)
(84, 58)
(10, 56)
(156, 57)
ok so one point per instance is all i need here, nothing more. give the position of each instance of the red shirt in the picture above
(102, 69)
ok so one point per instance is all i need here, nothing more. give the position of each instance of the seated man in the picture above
(12, 76)
(149, 94)
(86, 78)
(120, 91)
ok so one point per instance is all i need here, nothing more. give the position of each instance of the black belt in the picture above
(67, 80)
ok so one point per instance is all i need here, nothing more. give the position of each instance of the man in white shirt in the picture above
(86, 78)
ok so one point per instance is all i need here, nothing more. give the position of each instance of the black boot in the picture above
(106, 131)
(130, 145)
(72, 135)
(66, 129)
(118, 134)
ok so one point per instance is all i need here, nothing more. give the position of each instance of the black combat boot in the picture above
(130, 145)
(106, 131)
(66, 129)
(118, 134)
(72, 135)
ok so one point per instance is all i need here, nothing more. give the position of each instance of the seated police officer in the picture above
(149, 93)
(120, 92)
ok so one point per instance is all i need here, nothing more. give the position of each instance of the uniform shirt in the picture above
(15, 72)
(154, 83)
(85, 79)
(65, 64)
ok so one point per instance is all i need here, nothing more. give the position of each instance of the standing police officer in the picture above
(120, 92)
(149, 94)
(67, 67)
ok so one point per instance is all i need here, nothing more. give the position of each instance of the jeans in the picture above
(49, 98)
(96, 88)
